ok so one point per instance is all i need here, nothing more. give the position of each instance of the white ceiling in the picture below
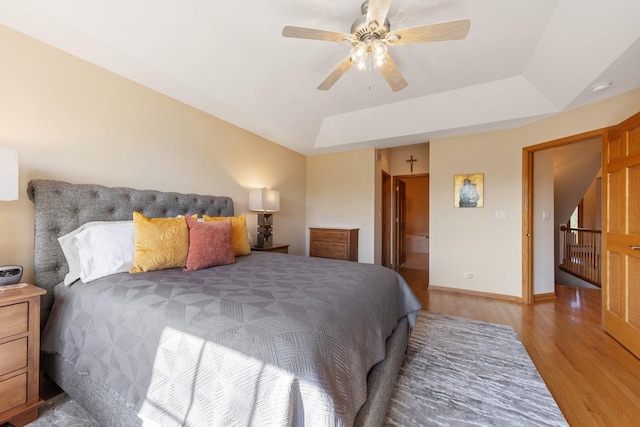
(522, 60)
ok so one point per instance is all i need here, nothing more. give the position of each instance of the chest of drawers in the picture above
(19, 354)
(336, 243)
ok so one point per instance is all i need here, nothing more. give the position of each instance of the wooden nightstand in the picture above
(19, 354)
(276, 247)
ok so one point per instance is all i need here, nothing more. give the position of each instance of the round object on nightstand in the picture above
(10, 274)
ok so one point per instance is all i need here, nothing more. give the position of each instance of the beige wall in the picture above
(472, 240)
(76, 122)
(400, 155)
(544, 227)
(341, 193)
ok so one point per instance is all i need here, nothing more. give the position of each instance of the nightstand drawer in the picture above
(14, 356)
(13, 392)
(14, 319)
(19, 354)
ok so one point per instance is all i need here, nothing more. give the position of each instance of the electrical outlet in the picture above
(467, 275)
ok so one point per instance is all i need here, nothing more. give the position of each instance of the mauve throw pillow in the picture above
(210, 244)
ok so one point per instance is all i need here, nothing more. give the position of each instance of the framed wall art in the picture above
(468, 190)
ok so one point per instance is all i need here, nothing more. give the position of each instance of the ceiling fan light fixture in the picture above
(379, 52)
(359, 53)
(379, 49)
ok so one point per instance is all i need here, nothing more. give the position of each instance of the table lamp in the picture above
(264, 201)
(9, 274)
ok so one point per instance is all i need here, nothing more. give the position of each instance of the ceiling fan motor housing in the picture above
(360, 28)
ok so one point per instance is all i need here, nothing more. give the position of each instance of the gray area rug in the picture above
(458, 372)
(62, 411)
(462, 372)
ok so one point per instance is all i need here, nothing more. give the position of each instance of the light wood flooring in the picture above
(594, 380)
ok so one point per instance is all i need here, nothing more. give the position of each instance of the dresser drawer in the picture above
(329, 235)
(13, 392)
(14, 319)
(14, 355)
(329, 250)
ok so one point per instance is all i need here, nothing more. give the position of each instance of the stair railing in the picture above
(582, 253)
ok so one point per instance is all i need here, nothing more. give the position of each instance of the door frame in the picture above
(386, 219)
(527, 203)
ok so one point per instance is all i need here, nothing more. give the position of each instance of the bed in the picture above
(270, 339)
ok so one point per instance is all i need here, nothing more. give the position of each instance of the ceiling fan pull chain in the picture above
(369, 70)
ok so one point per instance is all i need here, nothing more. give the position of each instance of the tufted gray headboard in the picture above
(61, 207)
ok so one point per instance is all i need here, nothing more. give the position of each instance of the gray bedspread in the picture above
(272, 340)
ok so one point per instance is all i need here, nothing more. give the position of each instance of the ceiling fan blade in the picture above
(310, 33)
(392, 75)
(378, 10)
(336, 74)
(454, 30)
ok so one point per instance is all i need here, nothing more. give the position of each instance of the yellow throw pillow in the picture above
(160, 243)
(239, 235)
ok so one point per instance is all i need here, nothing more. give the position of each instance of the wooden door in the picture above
(401, 222)
(621, 233)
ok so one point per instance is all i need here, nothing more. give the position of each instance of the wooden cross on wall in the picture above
(411, 160)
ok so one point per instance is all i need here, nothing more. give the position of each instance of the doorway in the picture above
(620, 227)
(531, 223)
(411, 231)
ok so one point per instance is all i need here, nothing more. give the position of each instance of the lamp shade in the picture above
(264, 200)
(8, 173)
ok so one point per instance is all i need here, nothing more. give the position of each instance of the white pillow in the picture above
(70, 249)
(105, 249)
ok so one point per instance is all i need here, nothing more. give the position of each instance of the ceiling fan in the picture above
(370, 38)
